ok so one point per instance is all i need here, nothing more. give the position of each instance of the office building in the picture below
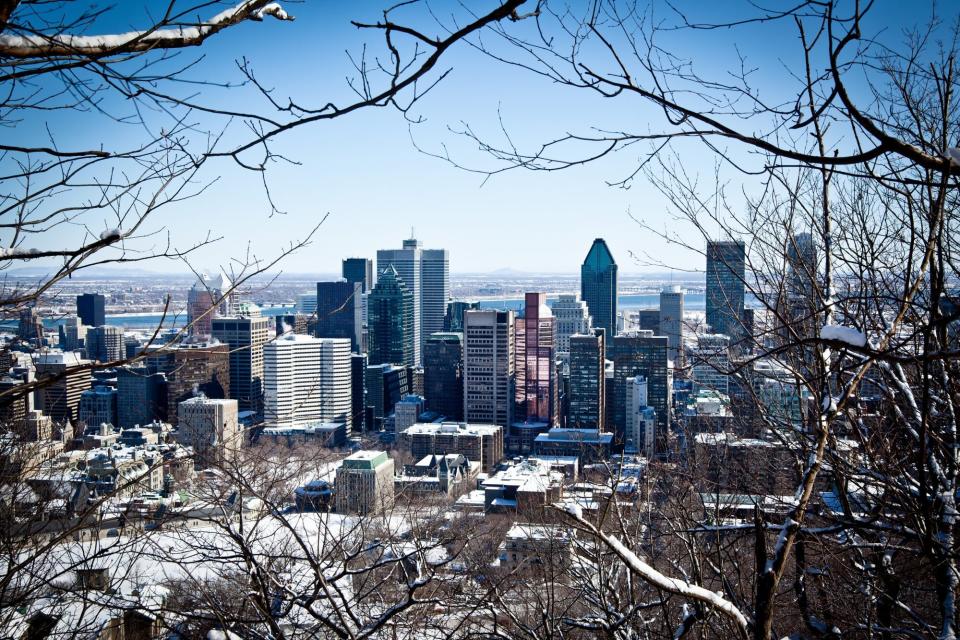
(646, 320)
(307, 303)
(30, 326)
(479, 443)
(246, 336)
(671, 320)
(211, 427)
(640, 354)
(391, 335)
(339, 311)
(587, 387)
(91, 309)
(488, 367)
(299, 323)
(105, 343)
(443, 374)
(208, 298)
(536, 384)
(59, 399)
(710, 363)
(306, 380)
(141, 396)
(406, 263)
(641, 427)
(598, 286)
(73, 334)
(587, 445)
(358, 391)
(360, 270)
(365, 483)
(453, 320)
(571, 317)
(426, 274)
(192, 367)
(725, 287)
(386, 384)
(406, 413)
(98, 406)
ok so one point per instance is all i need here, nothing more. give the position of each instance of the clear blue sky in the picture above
(364, 170)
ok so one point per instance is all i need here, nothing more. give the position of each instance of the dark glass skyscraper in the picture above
(443, 374)
(360, 270)
(725, 287)
(390, 321)
(587, 381)
(598, 286)
(91, 307)
(338, 311)
(640, 354)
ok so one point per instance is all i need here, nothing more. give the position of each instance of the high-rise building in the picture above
(91, 308)
(141, 396)
(339, 311)
(307, 303)
(295, 323)
(306, 380)
(246, 336)
(443, 374)
(386, 384)
(365, 483)
(407, 412)
(105, 343)
(710, 363)
(536, 384)
(426, 274)
(726, 262)
(453, 320)
(360, 270)
(598, 286)
(801, 265)
(488, 367)
(358, 390)
(391, 337)
(641, 429)
(211, 427)
(671, 320)
(587, 393)
(73, 334)
(209, 297)
(191, 368)
(640, 354)
(98, 406)
(571, 317)
(30, 327)
(59, 398)
(646, 320)
(435, 291)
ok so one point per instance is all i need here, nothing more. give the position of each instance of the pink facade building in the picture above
(536, 386)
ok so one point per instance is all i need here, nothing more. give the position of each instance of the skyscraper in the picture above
(571, 317)
(208, 298)
(211, 427)
(587, 381)
(105, 343)
(338, 311)
(426, 274)
(640, 354)
(671, 320)
(307, 380)
(246, 335)
(443, 374)
(192, 367)
(598, 286)
(488, 367)
(536, 385)
(406, 265)
(60, 398)
(358, 390)
(141, 396)
(710, 363)
(91, 307)
(360, 270)
(725, 286)
(390, 311)
(453, 320)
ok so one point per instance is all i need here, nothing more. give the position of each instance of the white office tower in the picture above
(426, 273)
(211, 427)
(488, 367)
(711, 363)
(671, 320)
(306, 380)
(571, 317)
(641, 428)
(307, 303)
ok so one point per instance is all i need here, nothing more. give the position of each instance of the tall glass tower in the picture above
(391, 336)
(598, 286)
(536, 373)
(726, 263)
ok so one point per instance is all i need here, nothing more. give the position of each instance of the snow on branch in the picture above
(847, 335)
(43, 46)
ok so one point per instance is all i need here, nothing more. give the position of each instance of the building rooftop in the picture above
(365, 459)
(452, 428)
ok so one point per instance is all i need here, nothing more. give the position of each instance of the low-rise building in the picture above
(588, 445)
(522, 487)
(480, 443)
(325, 434)
(448, 475)
(528, 547)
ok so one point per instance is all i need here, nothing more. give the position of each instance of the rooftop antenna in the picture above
(412, 234)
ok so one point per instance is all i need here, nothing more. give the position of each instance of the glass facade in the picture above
(725, 287)
(536, 390)
(598, 286)
(391, 338)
